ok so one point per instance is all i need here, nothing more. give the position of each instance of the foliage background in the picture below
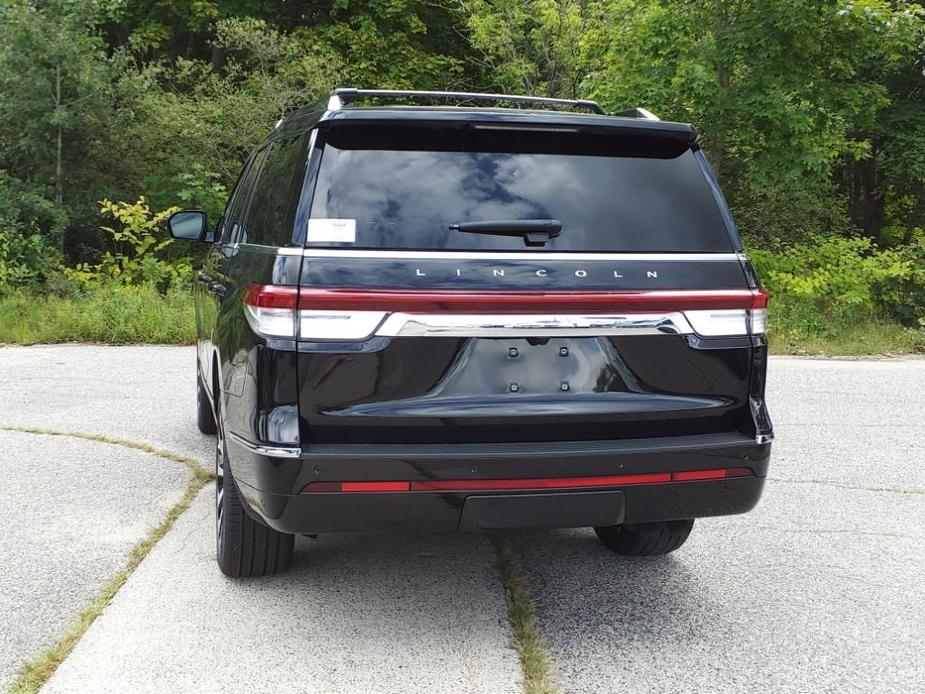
(811, 111)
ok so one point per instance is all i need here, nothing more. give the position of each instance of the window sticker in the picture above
(332, 230)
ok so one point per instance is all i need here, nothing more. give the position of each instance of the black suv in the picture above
(449, 311)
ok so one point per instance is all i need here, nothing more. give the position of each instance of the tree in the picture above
(54, 90)
(531, 46)
(783, 90)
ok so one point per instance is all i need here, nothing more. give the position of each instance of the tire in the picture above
(645, 539)
(244, 547)
(205, 418)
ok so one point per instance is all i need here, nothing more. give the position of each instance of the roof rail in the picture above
(343, 95)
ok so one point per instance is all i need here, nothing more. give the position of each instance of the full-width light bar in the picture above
(527, 483)
(311, 313)
(414, 301)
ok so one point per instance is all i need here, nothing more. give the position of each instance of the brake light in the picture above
(413, 301)
(271, 309)
(311, 313)
(275, 311)
(271, 296)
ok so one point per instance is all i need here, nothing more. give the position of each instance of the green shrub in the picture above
(840, 277)
(843, 292)
(903, 297)
(137, 257)
(26, 260)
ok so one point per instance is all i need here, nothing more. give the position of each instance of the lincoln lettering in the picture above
(580, 273)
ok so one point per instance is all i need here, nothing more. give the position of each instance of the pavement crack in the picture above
(892, 489)
(832, 531)
(526, 637)
(37, 671)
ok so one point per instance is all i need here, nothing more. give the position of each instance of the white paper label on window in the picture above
(332, 230)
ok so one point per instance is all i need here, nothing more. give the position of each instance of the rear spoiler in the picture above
(552, 121)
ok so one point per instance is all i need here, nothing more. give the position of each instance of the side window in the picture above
(271, 214)
(230, 206)
(231, 224)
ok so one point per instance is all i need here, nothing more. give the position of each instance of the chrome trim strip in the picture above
(531, 325)
(475, 255)
(764, 438)
(270, 451)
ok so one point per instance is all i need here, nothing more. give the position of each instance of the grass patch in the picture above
(876, 338)
(37, 671)
(114, 315)
(799, 329)
(526, 637)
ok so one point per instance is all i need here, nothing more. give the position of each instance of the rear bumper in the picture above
(271, 482)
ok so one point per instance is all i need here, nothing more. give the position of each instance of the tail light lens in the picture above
(732, 322)
(285, 311)
(274, 311)
(271, 309)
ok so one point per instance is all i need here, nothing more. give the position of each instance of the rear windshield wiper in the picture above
(535, 232)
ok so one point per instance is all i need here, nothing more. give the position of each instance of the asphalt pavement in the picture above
(374, 613)
(818, 589)
(72, 511)
(355, 613)
(143, 393)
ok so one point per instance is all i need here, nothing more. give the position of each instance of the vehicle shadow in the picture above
(600, 596)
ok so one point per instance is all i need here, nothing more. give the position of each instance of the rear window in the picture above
(402, 188)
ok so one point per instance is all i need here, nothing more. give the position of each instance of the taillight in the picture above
(286, 311)
(749, 320)
(525, 301)
(271, 309)
(275, 311)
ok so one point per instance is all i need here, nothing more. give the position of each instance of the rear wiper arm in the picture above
(536, 232)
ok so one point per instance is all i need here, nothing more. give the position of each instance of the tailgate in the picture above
(593, 359)
(425, 317)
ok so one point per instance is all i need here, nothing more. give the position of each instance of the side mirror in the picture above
(188, 225)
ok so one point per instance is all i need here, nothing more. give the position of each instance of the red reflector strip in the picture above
(540, 483)
(528, 302)
(528, 483)
(375, 486)
(725, 473)
(271, 295)
(698, 475)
